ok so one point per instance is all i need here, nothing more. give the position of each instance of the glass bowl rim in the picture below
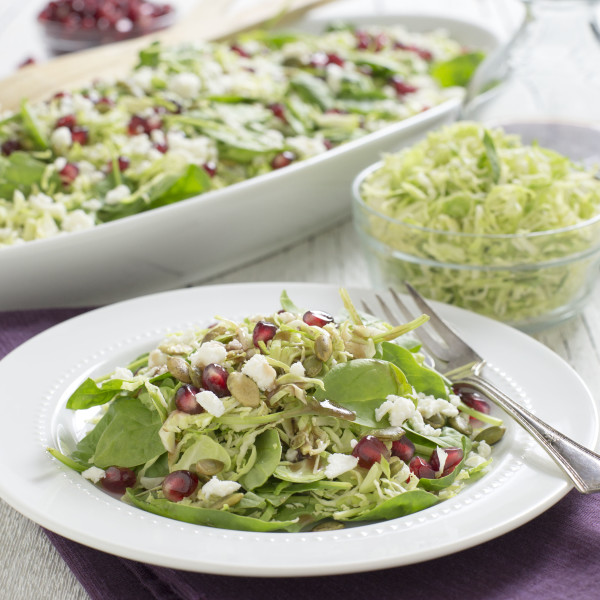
(356, 192)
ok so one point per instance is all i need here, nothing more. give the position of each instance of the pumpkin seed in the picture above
(312, 366)
(491, 435)
(196, 376)
(328, 526)
(209, 467)
(243, 389)
(437, 421)
(323, 347)
(461, 424)
(179, 368)
(230, 500)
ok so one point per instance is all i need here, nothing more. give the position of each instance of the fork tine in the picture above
(432, 345)
(444, 331)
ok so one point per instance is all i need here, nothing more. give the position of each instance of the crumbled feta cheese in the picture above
(219, 488)
(442, 457)
(429, 406)
(210, 402)
(353, 443)
(399, 409)
(77, 220)
(474, 460)
(122, 373)
(61, 139)
(142, 77)
(338, 464)
(117, 194)
(94, 474)
(258, 369)
(156, 358)
(483, 449)
(297, 369)
(454, 399)
(185, 85)
(40, 201)
(60, 163)
(209, 353)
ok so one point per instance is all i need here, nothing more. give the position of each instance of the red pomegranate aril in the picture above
(335, 59)
(363, 39)
(453, 458)
(10, 146)
(328, 144)
(118, 479)
(317, 318)
(211, 168)
(403, 448)
(104, 104)
(380, 42)
(138, 125)
(240, 51)
(28, 61)
(369, 450)
(263, 332)
(421, 468)
(68, 173)
(123, 163)
(179, 485)
(162, 148)
(214, 379)
(283, 159)
(472, 398)
(185, 400)
(278, 110)
(80, 135)
(68, 121)
(402, 88)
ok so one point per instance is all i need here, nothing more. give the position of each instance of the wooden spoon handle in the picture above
(210, 20)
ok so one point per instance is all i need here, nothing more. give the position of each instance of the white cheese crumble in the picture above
(185, 85)
(211, 403)
(78, 220)
(61, 139)
(442, 457)
(398, 408)
(212, 352)
(156, 358)
(122, 373)
(258, 369)
(338, 464)
(117, 194)
(94, 474)
(218, 488)
(297, 369)
(474, 460)
(429, 406)
(483, 449)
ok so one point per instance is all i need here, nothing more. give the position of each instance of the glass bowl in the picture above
(530, 281)
(77, 31)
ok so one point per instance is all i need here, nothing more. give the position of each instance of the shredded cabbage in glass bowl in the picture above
(473, 217)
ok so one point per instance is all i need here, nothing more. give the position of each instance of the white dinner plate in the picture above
(37, 378)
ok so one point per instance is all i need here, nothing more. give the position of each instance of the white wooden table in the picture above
(30, 568)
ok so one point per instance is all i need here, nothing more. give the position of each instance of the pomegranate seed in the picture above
(211, 168)
(472, 398)
(283, 159)
(369, 450)
(424, 54)
(104, 104)
(214, 378)
(453, 458)
(240, 51)
(179, 485)
(263, 332)
(10, 146)
(401, 86)
(421, 468)
(68, 173)
(28, 61)
(328, 144)
(278, 110)
(122, 162)
(380, 42)
(185, 400)
(363, 39)
(138, 125)
(60, 95)
(403, 448)
(317, 318)
(68, 121)
(118, 479)
(161, 147)
(80, 135)
(335, 59)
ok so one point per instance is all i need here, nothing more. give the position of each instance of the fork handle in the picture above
(580, 464)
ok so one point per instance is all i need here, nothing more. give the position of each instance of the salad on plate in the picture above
(203, 116)
(293, 421)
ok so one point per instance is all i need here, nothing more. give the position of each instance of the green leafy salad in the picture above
(474, 217)
(293, 421)
(200, 117)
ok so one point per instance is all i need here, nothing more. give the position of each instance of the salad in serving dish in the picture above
(201, 117)
(291, 421)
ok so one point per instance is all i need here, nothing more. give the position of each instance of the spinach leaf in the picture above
(32, 127)
(399, 506)
(421, 378)
(86, 447)
(69, 461)
(268, 456)
(299, 472)
(130, 438)
(205, 516)
(362, 385)
(150, 56)
(457, 70)
(19, 171)
(312, 90)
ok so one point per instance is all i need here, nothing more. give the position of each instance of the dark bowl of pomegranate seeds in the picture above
(71, 25)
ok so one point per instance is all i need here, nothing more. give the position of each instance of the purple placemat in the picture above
(554, 557)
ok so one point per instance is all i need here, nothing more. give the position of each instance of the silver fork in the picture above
(460, 363)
